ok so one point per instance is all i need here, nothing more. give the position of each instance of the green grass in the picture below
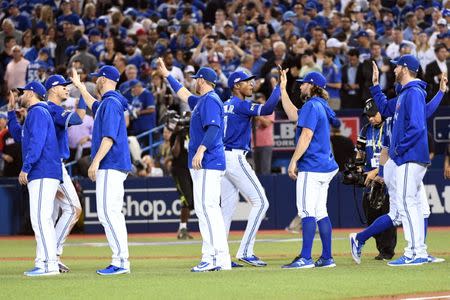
(160, 272)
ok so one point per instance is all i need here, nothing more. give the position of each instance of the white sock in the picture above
(183, 225)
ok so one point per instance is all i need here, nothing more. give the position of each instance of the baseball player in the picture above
(387, 168)
(315, 164)
(68, 199)
(239, 175)
(206, 161)
(110, 162)
(41, 172)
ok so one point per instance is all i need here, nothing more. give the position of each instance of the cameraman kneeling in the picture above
(375, 198)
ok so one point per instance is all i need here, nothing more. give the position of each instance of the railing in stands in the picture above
(153, 144)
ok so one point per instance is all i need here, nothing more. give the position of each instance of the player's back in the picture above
(237, 123)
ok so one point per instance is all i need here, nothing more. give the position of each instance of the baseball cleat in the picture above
(63, 268)
(406, 261)
(300, 263)
(40, 272)
(253, 260)
(204, 266)
(113, 270)
(355, 248)
(236, 265)
(432, 259)
(183, 234)
(325, 263)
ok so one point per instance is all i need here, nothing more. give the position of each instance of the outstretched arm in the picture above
(89, 100)
(178, 88)
(434, 103)
(385, 107)
(288, 106)
(13, 125)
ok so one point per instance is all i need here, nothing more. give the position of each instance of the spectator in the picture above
(412, 28)
(343, 148)
(174, 71)
(39, 69)
(69, 16)
(263, 140)
(133, 54)
(308, 64)
(142, 108)
(258, 60)
(109, 53)
(27, 41)
(393, 50)
(62, 43)
(386, 73)
(8, 29)
(89, 17)
(425, 53)
(80, 138)
(20, 20)
(16, 70)
(97, 44)
(351, 91)
(334, 80)
(150, 170)
(46, 17)
(120, 62)
(201, 52)
(442, 28)
(164, 159)
(189, 82)
(434, 72)
(88, 60)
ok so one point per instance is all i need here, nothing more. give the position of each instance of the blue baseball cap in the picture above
(133, 83)
(446, 13)
(36, 87)
(314, 78)
(206, 73)
(94, 32)
(310, 6)
(409, 61)
(362, 33)
(109, 72)
(249, 29)
(237, 77)
(55, 80)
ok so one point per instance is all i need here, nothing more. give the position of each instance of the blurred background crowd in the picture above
(339, 38)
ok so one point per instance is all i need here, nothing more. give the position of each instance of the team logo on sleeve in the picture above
(254, 105)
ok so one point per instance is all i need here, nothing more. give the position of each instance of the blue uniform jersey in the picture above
(63, 119)
(315, 115)
(109, 121)
(207, 110)
(238, 122)
(39, 145)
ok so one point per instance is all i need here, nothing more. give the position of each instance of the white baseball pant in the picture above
(110, 192)
(404, 183)
(393, 211)
(71, 210)
(312, 193)
(206, 186)
(240, 177)
(42, 199)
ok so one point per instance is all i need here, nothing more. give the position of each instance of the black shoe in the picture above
(384, 257)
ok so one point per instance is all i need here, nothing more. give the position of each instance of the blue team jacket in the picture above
(40, 151)
(409, 142)
(109, 121)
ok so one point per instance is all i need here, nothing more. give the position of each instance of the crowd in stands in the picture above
(339, 38)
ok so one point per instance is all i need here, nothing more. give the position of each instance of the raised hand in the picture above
(375, 73)
(443, 83)
(162, 68)
(76, 78)
(11, 101)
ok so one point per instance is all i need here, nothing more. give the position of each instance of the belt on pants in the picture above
(240, 151)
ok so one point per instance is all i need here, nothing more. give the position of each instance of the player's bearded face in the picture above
(398, 73)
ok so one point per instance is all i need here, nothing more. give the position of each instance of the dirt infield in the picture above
(418, 296)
